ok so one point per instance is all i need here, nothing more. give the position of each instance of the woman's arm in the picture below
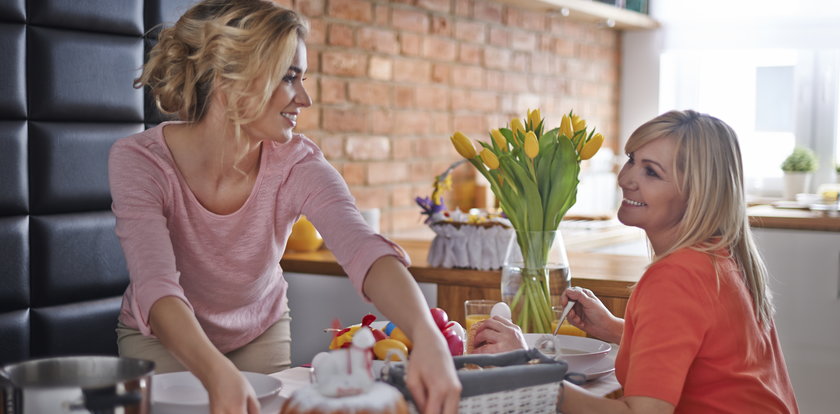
(577, 400)
(590, 315)
(431, 378)
(178, 330)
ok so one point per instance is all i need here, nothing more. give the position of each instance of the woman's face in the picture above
(650, 186)
(280, 116)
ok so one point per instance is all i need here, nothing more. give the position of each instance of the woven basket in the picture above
(509, 383)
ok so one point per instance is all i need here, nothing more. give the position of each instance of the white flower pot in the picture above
(795, 183)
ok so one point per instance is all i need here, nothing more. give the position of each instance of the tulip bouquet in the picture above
(534, 175)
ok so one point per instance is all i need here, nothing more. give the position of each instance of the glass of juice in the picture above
(566, 328)
(477, 310)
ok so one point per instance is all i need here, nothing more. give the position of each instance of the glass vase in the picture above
(534, 275)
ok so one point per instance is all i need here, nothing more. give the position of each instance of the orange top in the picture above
(698, 345)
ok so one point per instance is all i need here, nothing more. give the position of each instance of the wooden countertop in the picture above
(767, 216)
(594, 266)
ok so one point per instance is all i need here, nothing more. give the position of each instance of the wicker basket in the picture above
(509, 383)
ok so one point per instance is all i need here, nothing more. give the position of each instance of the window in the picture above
(774, 99)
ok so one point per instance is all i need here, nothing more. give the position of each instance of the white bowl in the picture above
(579, 352)
(182, 392)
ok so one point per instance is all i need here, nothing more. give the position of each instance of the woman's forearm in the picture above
(178, 330)
(392, 289)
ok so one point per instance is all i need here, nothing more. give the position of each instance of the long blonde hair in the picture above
(239, 48)
(708, 159)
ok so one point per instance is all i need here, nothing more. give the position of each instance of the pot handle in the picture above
(9, 396)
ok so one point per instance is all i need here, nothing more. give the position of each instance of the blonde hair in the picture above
(239, 48)
(708, 159)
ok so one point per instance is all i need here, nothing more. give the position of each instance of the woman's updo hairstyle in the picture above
(239, 48)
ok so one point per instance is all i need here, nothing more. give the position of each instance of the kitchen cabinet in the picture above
(591, 12)
(804, 267)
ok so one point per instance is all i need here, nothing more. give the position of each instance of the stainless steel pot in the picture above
(83, 384)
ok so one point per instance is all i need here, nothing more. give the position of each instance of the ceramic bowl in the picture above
(579, 352)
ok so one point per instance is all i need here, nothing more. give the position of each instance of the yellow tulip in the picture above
(534, 117)
(566, 127)
(592, 146)
(532, 147)
(490, 159)
(516, 125)
(578, 123)
(499, 139)
(463, 145)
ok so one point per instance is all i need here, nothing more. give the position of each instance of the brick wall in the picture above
(391, 81)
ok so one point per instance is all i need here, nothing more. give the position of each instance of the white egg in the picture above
(457, 329)
(501, 309)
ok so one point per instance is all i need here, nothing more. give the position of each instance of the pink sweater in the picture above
(226, 267)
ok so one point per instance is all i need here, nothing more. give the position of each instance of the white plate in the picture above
(599, 369)
(182, 392)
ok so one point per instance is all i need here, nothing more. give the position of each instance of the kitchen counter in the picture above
(609, 276)
(767, 216)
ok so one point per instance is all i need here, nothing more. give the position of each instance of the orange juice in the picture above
(567, 329)
(472, 319)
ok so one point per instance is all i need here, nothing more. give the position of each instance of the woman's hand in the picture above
(230, 392)
(590, 315)
(431, 375)
(498, 334)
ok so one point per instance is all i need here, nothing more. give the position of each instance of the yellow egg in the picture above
(399, 335)
(381, 348)
(304, 237)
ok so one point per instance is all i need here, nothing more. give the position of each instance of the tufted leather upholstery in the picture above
(66, 86)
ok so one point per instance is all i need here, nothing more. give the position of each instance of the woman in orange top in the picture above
(698, 334)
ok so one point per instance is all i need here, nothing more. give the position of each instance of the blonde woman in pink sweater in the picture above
(204, 207)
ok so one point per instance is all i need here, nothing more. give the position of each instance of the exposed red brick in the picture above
(371, 197)
(387, 172)
(431, 97)
(497, 58)
(333, 90)
(410, 20)
(499, 36)
(309, 119)
(332, 146)
(443, 6)
(310, 84)
(344, 63)
(356, 10)
(402, 149)
(441, 25)
(469, 31)
(463, 8)
(404, 96)
(522, 40)
(412, 70)
(470, 76)
(438, 48)
(520, 62)
(378, 40)
(382, 15)
(285, 3)
(366, 148)
(313, 59)
(317, 32)
(440, 73)
(470, 54)
(470, 124)
(411, 123)
(441, 124)
(370, 93)
(354, 173)
(526, 19)
(380, 68)
(488, 11)
(381, 121)
(311, 8)
(403, 196)
(340, 35)
(344, 120)
(411, 44)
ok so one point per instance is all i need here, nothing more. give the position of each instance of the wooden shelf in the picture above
(591, 11)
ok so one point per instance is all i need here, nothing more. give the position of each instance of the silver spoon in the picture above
(563, 315)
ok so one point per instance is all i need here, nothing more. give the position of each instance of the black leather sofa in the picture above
(66, 72)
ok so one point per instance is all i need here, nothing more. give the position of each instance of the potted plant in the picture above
(798, 167)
